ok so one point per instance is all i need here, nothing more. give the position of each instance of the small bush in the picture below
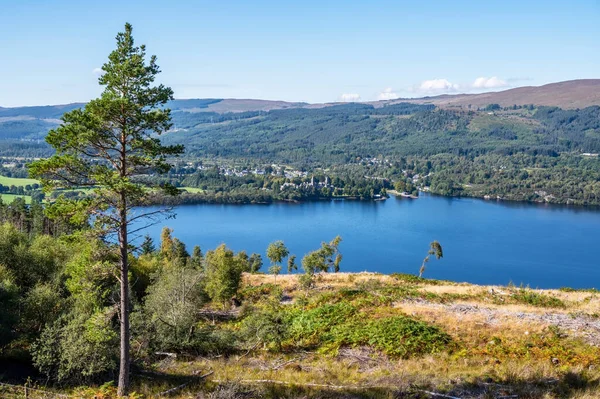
(254, 293)
(530, 297)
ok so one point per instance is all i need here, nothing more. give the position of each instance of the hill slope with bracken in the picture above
(569, 94)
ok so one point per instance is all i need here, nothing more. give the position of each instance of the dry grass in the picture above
(499, 348)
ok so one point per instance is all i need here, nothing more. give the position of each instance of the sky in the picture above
(310, 51)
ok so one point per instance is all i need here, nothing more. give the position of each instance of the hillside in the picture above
(367, 335)
(502, 342)
(32, 123)
(568, 95)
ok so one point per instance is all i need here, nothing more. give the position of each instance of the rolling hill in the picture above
(296, 132)
(567, 95)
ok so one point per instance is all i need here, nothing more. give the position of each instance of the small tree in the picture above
(147, 246)
(255, 262)
(110, 145)
(197, 257)
(321, 260)
(435, 248)
(166, 242)
(276, 252)
(292, 266)
(223, 274)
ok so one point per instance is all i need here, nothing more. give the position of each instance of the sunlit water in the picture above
(484, 242)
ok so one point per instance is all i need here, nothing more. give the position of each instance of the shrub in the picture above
(331, 326)
(398, 336)
(533, 298)
(223, 274)
(171, 306)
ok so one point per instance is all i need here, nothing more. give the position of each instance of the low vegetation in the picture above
(209, 324)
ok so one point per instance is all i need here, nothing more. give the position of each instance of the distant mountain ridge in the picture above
(568, 95)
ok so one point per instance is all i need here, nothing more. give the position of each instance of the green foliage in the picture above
(266, 325)
(107, 146)
(166, 243)
(197, 257)
(111, 141)
(255, 262)
(435, 249)
(170, 309)
(147, 246)
(256, 293)
(276, 252)
(331, 326)
(397, 336)
(9, 294)
(82, 348)
(223, 274)
(324, 258)
(41, 306)
(530, 297)
(292, 266)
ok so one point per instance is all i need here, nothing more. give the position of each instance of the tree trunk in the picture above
(123, 387)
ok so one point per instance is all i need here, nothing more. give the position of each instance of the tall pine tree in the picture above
(111, 145)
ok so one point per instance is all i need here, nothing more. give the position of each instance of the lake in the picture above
(484, 242)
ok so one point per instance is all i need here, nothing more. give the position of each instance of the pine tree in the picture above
(110, 145)
(147, 246)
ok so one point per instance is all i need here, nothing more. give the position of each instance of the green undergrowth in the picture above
(326, 322)
(530, 297)
(329, 327)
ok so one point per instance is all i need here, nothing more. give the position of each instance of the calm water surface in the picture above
(484, 242)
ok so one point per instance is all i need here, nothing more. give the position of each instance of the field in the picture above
(192, 190)
(8, 198)
(15, 181)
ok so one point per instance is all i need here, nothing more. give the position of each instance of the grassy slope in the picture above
(505, 341)
(192, 189)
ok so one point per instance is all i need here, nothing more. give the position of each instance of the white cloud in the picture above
(97, 71)
(489, 83)
(437, 86)
(349, 97)
(387, 94)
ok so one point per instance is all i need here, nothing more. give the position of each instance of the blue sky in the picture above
(313, 51)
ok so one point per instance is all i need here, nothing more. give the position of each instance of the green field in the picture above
(15, 181)
(8, 198)
(192, 190)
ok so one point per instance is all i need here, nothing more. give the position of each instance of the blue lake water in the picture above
(484, 242)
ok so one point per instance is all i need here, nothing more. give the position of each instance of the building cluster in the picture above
(307, 185)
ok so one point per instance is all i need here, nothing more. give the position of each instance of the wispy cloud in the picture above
(97, 71)
(444, 86)
(436, 86)
(349, 97)
(387, 94)
(489, 83)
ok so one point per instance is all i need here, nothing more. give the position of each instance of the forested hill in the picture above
(339, 133)
(521, 152)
